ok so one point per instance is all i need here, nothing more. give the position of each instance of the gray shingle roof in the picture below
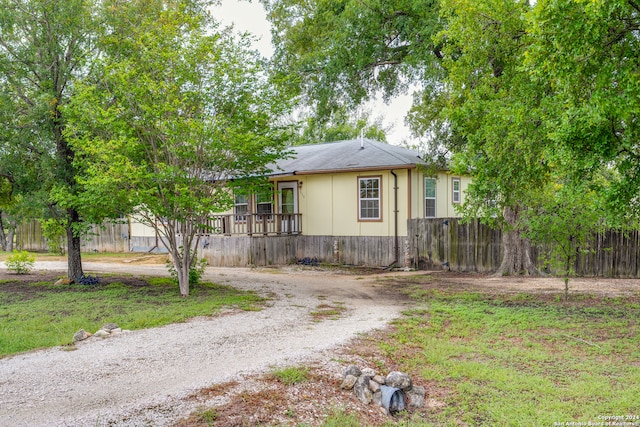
(349, 155)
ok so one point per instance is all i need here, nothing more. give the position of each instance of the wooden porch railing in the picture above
(253, 225)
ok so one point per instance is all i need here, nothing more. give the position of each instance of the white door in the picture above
(288, 206)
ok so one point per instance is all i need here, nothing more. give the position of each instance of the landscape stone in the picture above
(416, 397)
(369, 372)
(362, 390)
(353, 370)
(379, 379)
(399, 380)
(348, 382)
(101, 333)
(377, 398)
(374, 386)
(116, 331)
(81, 335)
(109, 326)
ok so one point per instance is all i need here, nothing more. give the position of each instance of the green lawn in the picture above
(39, 314)
(523, 359)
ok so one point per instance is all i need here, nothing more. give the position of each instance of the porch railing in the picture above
(253, 225)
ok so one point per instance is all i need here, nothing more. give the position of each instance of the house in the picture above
(345, 201)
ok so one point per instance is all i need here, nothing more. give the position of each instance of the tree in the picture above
(45, 47)
(179, 111)
(476, 99)
(586, 51)
(565, 217)
(340, 126)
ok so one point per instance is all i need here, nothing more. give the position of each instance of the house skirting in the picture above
(242, 251)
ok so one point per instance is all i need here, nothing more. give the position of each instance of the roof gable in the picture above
(348, 155)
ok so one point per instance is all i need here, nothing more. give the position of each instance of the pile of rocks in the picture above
(369, 387)
(107, 330)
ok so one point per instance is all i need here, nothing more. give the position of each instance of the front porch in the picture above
(272, 224)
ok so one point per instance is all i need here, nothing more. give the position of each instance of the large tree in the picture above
(588, 53)
(45, 47)
(180, 109)
(473, 97)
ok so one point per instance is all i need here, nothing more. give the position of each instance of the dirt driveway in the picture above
(142, 377)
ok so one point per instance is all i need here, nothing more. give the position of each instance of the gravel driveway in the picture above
(142, 377)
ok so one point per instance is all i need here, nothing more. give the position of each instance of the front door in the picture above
(288, 206)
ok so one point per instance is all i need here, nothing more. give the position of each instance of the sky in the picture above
(251, 17)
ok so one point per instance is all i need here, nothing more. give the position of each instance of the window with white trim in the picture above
(264, 203)
(455, 186)
(369, 198)
(430, 197)
(241, 207)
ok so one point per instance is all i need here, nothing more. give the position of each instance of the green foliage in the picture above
(27, 311)
(178, 107)
(21, 262)
(291, 375)
(54, 233)
(565, 219)
(196, 270)
(340, 126)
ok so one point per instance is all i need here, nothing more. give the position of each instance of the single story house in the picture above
(345, 201)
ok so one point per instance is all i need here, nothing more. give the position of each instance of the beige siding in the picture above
(445, 208)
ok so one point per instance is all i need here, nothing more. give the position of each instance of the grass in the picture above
(291, 375)
(524, 359)
(40, 314)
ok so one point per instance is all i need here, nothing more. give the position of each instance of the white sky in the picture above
(251, 17)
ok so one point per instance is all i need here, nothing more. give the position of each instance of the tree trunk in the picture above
(7, 233)
(517, 249)
(3, 236)
(11, 235)
(74, 258)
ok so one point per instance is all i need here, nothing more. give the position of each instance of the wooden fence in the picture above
(474, 247)
(430, 244)
(106, 238)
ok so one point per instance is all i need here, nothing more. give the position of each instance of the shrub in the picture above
(195, 271)
(21, 262)
(87, 280)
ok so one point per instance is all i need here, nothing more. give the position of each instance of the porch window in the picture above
(241, 207)
(430, 197)
(455, 185)
(369, 198)
(264, 204)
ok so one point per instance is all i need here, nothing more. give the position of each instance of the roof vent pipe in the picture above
(361, 139)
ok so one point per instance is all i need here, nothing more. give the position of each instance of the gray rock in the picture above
(116, 331)
(374, 386)
(379, 379)
(416, 397)
(369, 372)
(348, 382)
(81, 335)
(377, 398)
(362, 390)
(353, 370)
(101, 333)
(399, 380)
(110, 326)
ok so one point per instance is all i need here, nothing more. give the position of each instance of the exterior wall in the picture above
(329, 204)
(445, 208)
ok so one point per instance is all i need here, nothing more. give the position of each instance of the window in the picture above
(455, 185)
(430, 197)
(241, 207)
(264, 204)
(369, 198)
